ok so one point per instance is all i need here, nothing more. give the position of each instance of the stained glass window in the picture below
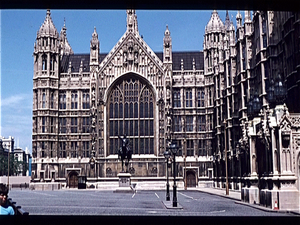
(131, 113)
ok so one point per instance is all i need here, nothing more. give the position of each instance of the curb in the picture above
(266, 209)
(224, 196)
(239, 201)
(169, 205)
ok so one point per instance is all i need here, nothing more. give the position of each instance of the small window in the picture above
(189, 147)
(189, 123)
(62, 100)
(43, 124)
(189, 98)
(74, 100)
(73, 125)
(85, 100)
(44, 62)
(44, 99)
(176, 98)
(52, 100)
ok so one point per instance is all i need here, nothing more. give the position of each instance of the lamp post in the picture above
(167, 155)
(226, 160)
(8, 155)
(174, 150)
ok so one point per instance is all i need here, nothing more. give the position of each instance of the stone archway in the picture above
(190, 178)
(73, 179)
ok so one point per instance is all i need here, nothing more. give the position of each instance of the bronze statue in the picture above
(125, 153)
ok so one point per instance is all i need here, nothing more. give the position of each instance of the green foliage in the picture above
(14, 165)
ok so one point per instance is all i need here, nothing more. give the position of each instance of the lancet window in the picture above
(44, 99)
(74, 100)
(44, 62)
(62, 100)
(176, 98)
(85, 100)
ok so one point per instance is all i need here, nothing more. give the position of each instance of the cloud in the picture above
(16, 118)
(16, 100)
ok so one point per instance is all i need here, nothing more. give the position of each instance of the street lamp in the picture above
(256, 103)
(271, 97)
(250, 106)
(279, 90)
(167, 155)
(174, 150)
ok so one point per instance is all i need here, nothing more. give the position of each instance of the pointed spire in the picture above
(231, 27)
(227, 20)
(167, 46)
(48, 27)
(167, 32)
(48, 13)
(132, 25)
(194, 64)
(81, 66)
(167, 37)
(95, 34)
(238, 19)
(182, 69)
(247, 16)
(94, 48)
(238, 15)
(66, 48)
(63, 31)
(70, 67)
(215, 23)
(95, 41)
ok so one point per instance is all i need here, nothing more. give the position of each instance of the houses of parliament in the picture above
(232, 108)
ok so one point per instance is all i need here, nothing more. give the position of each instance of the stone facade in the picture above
(260, 98)
(233, 104)
(84, 103)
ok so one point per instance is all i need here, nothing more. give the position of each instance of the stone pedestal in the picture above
(124, 183)
(124, 179)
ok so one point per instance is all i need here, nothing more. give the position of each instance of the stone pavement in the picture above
(236, 195)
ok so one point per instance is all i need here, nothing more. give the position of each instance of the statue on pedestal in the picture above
(125, 153)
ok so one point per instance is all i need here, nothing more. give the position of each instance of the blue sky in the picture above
(18, 34)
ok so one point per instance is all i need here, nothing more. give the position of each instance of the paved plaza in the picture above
(141, 203)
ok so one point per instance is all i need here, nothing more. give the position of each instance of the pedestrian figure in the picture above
(5, 209)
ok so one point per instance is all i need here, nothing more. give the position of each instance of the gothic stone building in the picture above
(233, 108)
(256, 117)
(82, 103)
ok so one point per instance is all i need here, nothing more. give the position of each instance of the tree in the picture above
(14, 165)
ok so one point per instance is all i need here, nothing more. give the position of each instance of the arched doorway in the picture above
(73, 180)
(190, 179)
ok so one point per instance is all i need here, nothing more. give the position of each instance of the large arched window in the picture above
(131, 113)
